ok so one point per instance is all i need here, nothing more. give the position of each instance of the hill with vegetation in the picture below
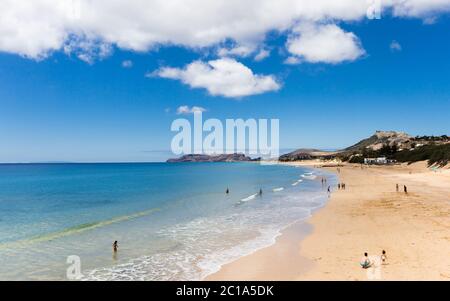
(396, 146)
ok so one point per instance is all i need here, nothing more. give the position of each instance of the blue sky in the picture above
(62, 108)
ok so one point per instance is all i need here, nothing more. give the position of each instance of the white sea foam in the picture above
(202, 246)
(278, 189)
(249, 198)
(187, 240)
(309, 176)
(206, 244)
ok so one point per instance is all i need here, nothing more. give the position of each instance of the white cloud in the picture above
(262, 54)
(127, 64)
(87, 50)
(225, 77)
(185, 110)
(240, 50)
(36, 28)
(395, 46)
(323, 44)
(292, 60)
(419, 8)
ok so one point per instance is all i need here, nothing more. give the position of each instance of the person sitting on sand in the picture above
(383, 257)
(115, 246)
(365, 261)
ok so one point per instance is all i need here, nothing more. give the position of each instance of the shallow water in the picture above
(172, 221)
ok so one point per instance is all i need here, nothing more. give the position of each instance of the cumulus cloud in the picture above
(185, 110)
(395, 46)
(225, 77)
(36, 28)
(323, 44)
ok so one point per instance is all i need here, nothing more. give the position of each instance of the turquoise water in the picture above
(172, 221)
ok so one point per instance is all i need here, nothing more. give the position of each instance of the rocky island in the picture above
(212, 158)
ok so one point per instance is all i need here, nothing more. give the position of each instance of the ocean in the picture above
(171, 221)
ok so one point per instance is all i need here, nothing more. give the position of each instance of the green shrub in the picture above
(435, 154)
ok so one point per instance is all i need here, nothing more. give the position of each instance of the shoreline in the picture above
(369, 216)
(252, 266)
(286, 237)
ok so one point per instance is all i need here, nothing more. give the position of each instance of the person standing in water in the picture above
(260, 191)
(227, 191)
(115, 246)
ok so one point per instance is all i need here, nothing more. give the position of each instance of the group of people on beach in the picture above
(405, 189)
(341, 186)
(367, 263)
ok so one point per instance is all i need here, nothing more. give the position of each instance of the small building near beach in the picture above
(378, 161)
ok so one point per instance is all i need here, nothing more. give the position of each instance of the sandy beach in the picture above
(368, 216)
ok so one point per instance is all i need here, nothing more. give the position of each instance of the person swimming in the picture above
(115, 246)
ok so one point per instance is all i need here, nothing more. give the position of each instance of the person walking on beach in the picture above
(383, 257)
(339, 186)
(405, 189)
(396, 187)
(115, 246)
(329, 189)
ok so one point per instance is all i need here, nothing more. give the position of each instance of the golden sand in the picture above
(369, 216)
